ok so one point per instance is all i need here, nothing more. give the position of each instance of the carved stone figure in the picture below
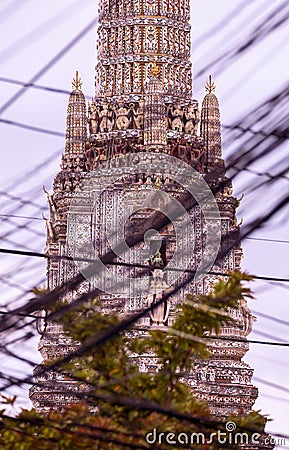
(191, 116)
(50, 230)
(122, 117)
(93, 118)
(78, 164)
(90, 155)
(139, 115)
(247, 318)
(53, 210)
(105, 118)
(157, 260)
(176, 118)
(159, 315)
(68, 185)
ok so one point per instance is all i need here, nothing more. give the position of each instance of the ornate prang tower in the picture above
(143, 103)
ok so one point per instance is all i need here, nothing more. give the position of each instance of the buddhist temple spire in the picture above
(143, 104)
(76, 120)
(211, 124)
(130, 34)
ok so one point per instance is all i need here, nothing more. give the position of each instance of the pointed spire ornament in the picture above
(210, 86)
(77, 82)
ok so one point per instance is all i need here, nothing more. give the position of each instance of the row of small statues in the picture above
(122, 116)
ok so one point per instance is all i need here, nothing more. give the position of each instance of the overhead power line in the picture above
(50, 64)
(23, 201)
(33, 171)
(21, 217)
(141, 266)
(273, 385)
(273, 397)
(23, 226)
(279, 241)
(270, 336)
(223, 23)
(39, 87)
(22, 245)
(106, 259)
(269, 24)
(159, 222)
(32, 128)
(8, 10)
(272, 318)
(246, 129)
(126, 323)
(250, 341)
(42, 28)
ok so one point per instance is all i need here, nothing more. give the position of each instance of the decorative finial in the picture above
(210, 85)
(76, 82)
(155, 70)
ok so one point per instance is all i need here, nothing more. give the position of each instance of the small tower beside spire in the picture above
(211, 124)
(76, 120)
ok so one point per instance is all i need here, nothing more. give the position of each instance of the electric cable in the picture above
(141, 266)
(32, 36)
(235, 12)
(35, 170)
(272, 318)
(32, 128)
(40, 87)
(50, 64)
(9, 9)
(274, 20)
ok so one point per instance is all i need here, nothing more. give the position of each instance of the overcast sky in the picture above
(32, 33)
